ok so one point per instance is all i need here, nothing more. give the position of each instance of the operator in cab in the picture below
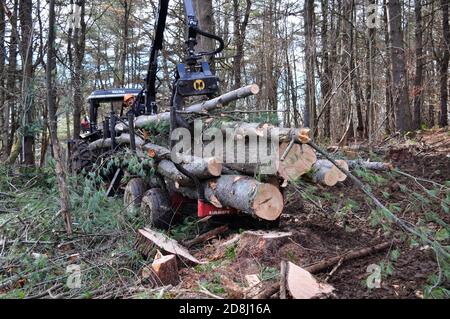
(129, 101)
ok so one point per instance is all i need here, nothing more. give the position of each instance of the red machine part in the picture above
(204, 209)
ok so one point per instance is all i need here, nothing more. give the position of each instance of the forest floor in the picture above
(35, 255)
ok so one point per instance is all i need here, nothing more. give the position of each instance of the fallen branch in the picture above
(206, 236)
(327, 263)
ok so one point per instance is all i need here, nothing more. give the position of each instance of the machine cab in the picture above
(103, 106)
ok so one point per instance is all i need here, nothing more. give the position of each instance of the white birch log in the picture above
(145, 120)
(242, 193)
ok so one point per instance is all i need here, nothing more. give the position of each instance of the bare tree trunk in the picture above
(239, 34)
(125, 35)
(418, 80)
(444, 64)
(26, 48)
(370, 64)
(310, 96)
(388, 75)
(51, 100)
(3, 106)
(398, 67)
(355, 78)
(327, 73)
(205, 15)
(346, 71)
(79, 43)
(10, 129)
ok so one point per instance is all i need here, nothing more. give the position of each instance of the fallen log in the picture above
(247, 195)
(325, 173)
(353, 254)
(145, 120)
(374, 166)
(241, 130)
(206, 236)
(327, 263)
(242, 193)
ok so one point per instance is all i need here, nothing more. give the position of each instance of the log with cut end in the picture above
(325, 173)
(247, 195)
(204, 169)
(243, 193)
(298, 162)
(241, 130)
(166, 269)
(145, 120)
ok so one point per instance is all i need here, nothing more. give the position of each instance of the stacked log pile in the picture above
(236, 185)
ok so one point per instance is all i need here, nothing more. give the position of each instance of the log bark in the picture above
(264, 130)
(325, 173)
(374, 166)
(145, 120)
(242, 193)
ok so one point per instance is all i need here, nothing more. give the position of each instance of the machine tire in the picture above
(134, 192)
(81, 157)
(156, 209)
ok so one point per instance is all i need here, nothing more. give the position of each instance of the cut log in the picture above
(302, 285)
(146, 120)
(374, 166)
(325, 173)
(298, 162)
(147, 239)
(244, 194)
(166, 269)
(241, 130)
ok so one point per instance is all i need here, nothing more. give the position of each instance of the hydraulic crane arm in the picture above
(191, 58)
(153, 63)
